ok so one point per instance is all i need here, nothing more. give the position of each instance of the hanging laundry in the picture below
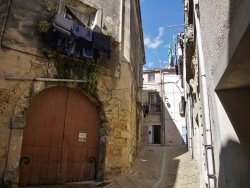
(101, 42)
(77, 40)
(145, 110)
(70, 44)
(96, 54)
(60, 41)
(176, 69)
(56, 39)
(87, 53)
(81, 31)
(87, 44)
(63, 25)
(79, 47)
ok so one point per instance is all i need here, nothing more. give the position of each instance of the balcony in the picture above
(77, 51)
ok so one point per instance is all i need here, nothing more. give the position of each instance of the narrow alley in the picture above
(124, 94)
(160, 166)
(155, 167)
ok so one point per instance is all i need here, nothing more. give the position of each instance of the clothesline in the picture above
(78, 40)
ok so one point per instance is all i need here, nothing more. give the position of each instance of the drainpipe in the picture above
(189, 128)
(120, 32)
(184, 70)
(206, 114)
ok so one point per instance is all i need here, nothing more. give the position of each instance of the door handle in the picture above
(25, 159)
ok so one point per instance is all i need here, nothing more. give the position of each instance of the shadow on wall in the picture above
(235, 157)
(234, 166)
(233, 91)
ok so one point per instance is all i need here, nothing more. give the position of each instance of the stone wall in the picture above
(115, 93)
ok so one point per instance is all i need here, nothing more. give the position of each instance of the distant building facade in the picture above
(162, 94)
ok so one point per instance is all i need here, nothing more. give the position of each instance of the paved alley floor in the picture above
(160, 166)
(155, 167)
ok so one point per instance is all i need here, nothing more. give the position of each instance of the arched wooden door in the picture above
(60, 137)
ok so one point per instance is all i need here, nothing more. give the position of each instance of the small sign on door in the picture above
(82, 137)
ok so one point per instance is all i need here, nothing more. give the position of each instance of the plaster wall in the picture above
(222, 33)
(174, 123)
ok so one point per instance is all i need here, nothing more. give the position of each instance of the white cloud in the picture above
(155, 42)
(150, 64)
(142, 1)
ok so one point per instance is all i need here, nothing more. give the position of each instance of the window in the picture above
(83, 14)
(151, 77)
(154, 100)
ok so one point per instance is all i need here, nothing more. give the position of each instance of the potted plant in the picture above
(114, 44)
(43, 26)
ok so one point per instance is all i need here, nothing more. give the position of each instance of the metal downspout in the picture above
(42, 79)
(208, 144)
(184, 70)
(189, 129)
(120, 32)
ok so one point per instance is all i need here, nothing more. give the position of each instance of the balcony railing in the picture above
(155, 107)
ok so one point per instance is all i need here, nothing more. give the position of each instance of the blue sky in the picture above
(157, 15)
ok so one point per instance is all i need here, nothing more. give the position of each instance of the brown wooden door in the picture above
(54, 121)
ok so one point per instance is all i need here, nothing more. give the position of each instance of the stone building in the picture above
(216, 81)
(63, 118)
(162, 94)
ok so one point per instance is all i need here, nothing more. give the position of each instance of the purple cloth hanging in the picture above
(81, 31)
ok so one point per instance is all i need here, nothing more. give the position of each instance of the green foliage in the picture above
(69, 68)
(43, 26)
(49, 5)
(139, 106)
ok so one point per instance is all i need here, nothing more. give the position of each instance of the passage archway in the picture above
(60, 139)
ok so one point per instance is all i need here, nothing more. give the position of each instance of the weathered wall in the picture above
(221, 34)
(216, 35)
(116, 93)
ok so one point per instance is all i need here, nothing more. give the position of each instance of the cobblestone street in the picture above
(155, 167)
(159, 166)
